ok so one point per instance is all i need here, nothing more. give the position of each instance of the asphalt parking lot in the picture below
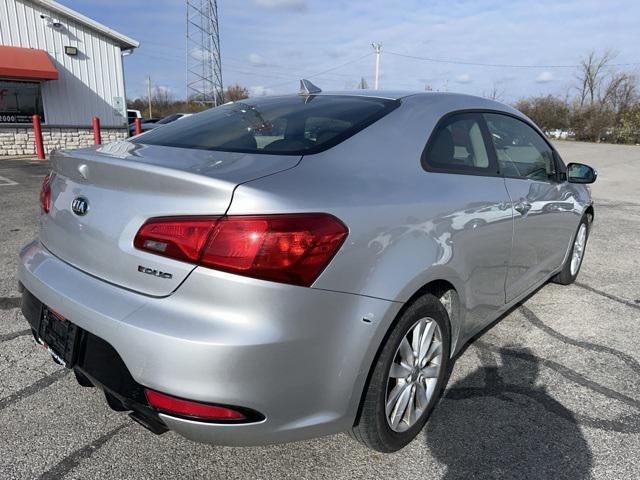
(551, 391)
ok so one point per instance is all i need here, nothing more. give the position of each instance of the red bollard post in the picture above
(97, 139)
(37, 133)
(138, 126)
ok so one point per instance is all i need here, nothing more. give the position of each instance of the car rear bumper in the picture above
(298, 356)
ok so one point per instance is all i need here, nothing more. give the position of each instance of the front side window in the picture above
(521, 151)
(19, 101)
(291, 125)
(458, 145)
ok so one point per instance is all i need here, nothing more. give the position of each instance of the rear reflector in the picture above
(189, 408)
(45, 194)
(288, 248)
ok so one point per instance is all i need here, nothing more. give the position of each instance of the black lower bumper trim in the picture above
(99, 364)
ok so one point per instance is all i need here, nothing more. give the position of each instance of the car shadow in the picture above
(499, 422)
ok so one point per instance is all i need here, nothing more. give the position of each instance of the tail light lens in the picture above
(291, 248)
(189, 408)
(182, 238)
(45, 194)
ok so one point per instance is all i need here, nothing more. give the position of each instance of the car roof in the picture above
(457, 101)
(422, 95)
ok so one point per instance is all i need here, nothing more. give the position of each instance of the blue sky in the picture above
(268, 44)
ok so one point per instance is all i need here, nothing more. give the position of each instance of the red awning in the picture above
(18, 62)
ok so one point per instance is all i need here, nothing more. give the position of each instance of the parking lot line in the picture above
(4, 181)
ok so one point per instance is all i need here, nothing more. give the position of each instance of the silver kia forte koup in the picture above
(281, 268)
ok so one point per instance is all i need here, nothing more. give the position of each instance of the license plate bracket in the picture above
(59, 336)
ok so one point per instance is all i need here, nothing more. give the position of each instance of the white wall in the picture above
(88, 84)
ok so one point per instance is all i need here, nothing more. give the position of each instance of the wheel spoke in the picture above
(434, 350)
(411, 408)
(421, 396)
(399, 370)
(416, 336)
(425, 341)
(400, 407)
(430, 371)
(406, 352)
(393, 397)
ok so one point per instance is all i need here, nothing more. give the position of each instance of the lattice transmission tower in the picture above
(204, 68)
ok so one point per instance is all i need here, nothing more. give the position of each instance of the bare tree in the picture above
(236, 92)
(363, 85)
(161, 98)
(591, 74)
(494, 94)
(620, 92)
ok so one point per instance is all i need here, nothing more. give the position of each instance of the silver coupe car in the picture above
(281, 268)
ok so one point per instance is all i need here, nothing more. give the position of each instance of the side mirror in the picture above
(581, 173)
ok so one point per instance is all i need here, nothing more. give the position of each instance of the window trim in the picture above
(490, 147)
(491, 171)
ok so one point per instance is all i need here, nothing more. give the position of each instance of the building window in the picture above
(19, 101)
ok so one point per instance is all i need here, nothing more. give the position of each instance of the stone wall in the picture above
(19, 140)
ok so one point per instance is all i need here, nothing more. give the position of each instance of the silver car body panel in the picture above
(298, 355)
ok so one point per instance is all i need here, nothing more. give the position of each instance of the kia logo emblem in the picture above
(80, 206)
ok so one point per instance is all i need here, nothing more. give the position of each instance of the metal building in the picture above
(63, 66)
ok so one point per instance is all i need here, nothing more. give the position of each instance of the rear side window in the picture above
(458, 146)
(291, 125)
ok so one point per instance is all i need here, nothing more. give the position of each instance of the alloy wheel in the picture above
(578, 248)
(413, 375)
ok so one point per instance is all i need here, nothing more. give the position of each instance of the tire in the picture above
(82, 380)
(373, 427)
(567, 276)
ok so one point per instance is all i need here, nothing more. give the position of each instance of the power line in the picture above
(325, 71)
(242, 69)
(496, 65)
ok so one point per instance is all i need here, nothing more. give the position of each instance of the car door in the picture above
(542, 207)
(474, 224)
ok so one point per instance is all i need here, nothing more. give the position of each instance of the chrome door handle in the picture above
(522, 207)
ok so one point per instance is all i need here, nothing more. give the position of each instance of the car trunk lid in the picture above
(126, 184)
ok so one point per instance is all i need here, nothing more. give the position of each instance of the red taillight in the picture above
(45, 194)
(189, 408)
(291, 248)
(181, 238)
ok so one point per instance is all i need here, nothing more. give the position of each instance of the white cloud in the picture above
(290, 5)
(256, 60)
(544, 77)
(197, 54)
(464, 78)
(259, 90)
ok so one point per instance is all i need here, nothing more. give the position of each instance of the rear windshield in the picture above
(273, 125)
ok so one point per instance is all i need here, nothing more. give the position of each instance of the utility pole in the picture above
(376, 46)
(149, 94)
